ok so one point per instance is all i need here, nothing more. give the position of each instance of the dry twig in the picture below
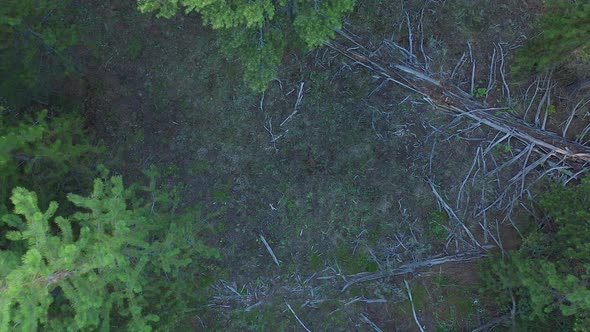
(297, 104)
(413, 307)
(296, 317)
(368, 321)
(272, 254)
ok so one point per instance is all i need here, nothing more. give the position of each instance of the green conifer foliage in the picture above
(34, 37)
(563, 30)
(256, 33)
(92, 270)
(549, 275)
(48, 155)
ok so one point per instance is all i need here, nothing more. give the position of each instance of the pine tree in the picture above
(258, 32)
(51, 156)
(91, 270)
(34, 38)
(563, 30)
(548, 277)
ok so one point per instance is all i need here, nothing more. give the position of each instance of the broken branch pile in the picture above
(407, 72)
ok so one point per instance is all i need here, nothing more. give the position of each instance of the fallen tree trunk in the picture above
(450, 97)
(412, 267)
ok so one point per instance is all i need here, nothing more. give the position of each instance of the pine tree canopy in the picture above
(257, 33)
(548, 276)
(87, 271)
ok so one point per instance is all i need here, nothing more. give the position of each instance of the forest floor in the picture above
(338, 188)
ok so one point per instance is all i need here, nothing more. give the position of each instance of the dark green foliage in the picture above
(257, 33)
(50, 155)
(72, 272)
(549, 275)
(564, 30)
(34, 37)
(436, 221)
(98, 268)
(135, 48)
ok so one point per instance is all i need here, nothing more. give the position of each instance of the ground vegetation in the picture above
(396, 166)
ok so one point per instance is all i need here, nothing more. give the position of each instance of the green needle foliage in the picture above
(258, 32)
(549, 276)
(91, 270)
(34, 37)
(564, 30)
(51, 156)
(96, 269)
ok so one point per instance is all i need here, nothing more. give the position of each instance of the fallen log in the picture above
(451, 98)
(412, 267)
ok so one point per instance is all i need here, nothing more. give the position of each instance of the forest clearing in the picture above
(368, 165)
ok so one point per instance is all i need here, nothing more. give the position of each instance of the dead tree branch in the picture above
(451, 98)
(413, 307)
(411, 268)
